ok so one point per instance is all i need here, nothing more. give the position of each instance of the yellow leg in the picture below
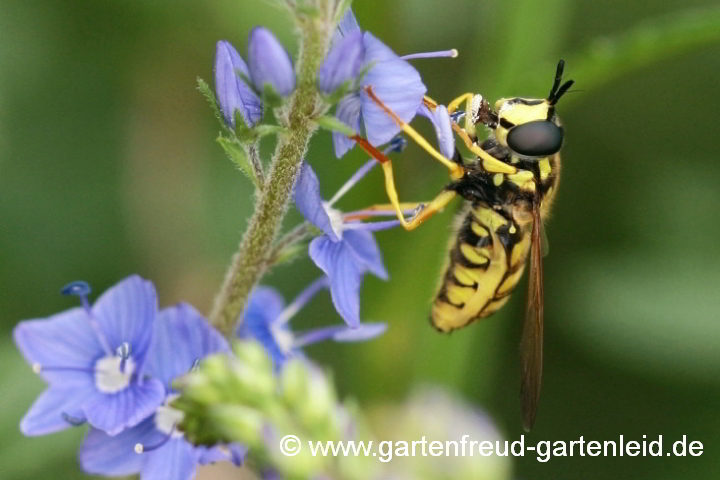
(424, 210)
(469, 128)
(437, 205)
(433, 207)
(490, 163)
(456, 170)
(465, 97)
(430, 103)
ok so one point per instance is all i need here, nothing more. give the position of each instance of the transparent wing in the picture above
(532, 339)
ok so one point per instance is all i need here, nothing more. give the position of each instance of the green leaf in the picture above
(270, 96)
(238, 154)
(263, 130)
(291, 253)
(340, 92)
(334, 125)
(243, 133)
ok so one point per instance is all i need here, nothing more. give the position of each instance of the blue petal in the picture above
(443, 128)
(182, 336)
(340, 263)
(342, 64)
(264, 306)
(348, 112)
(348, 24)
(231, 90)
(269, 62)
(309, 202)
(238, 453)
(115, 456)
(212, 455)
(366, 331)
(126, 313)
(396, 83)
(176, 460)
(366, 248)
(46, 414)
(63, 340)
(112, 413)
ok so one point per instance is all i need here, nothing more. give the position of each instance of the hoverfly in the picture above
(508, 189)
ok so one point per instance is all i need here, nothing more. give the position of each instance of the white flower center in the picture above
(167, 418)
(336, 219)
(283, 338)
(109, 377)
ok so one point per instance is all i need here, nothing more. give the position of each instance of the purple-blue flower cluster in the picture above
(111, 365)
(356, 60)
(240, 87)
(391, 77)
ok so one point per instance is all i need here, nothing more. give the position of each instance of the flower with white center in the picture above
(93, 359)
(155, 448)
(347, 249)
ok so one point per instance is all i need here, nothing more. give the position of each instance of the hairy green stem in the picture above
(256, 164)
(252, 259)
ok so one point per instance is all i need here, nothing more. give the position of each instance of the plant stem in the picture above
(256, 164)
(252, 258)
(294, 236)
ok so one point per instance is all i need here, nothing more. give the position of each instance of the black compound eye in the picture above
(535, 139)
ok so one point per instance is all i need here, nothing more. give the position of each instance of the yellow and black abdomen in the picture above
(486, 262)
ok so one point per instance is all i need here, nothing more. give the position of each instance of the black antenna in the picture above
(558, 90)
(561, 91)
(558, 79)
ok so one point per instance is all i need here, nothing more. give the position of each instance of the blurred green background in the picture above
(108, 166)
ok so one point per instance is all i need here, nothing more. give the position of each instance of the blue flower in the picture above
(342, 64)
(154, 448)
(440, 119)
(233, 94)
(392, 78)
(93, 359)
(270, 63)
(267, 320)
(347, 249)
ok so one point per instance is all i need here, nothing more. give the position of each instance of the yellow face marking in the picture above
(479, 230)
(519, 113)
(498, 179)
(545, 168)
(512, 229)
(474, 255)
